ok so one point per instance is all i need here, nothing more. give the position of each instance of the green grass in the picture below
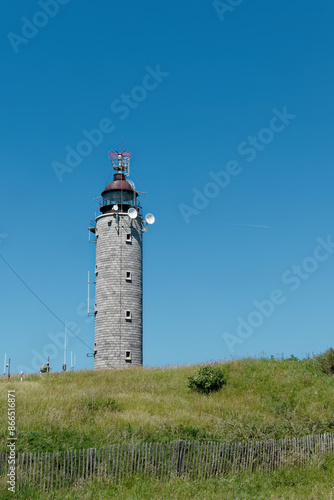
(262, 399)
(312, 482)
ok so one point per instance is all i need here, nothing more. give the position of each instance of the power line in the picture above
(43, 303)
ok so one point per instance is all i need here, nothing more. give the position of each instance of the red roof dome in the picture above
(119, 184)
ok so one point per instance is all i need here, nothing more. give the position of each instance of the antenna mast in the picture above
(89, 283)
(121, 161)
(64, 365)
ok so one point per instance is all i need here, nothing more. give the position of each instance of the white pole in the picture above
(4, 365)
(71, 361)
(88, 296)
(65, 345)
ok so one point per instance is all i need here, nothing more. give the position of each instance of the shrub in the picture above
(326, 361)
(207, 379)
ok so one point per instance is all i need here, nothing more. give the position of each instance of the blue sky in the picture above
(226, 76)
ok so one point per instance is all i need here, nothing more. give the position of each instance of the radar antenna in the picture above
(121, 161)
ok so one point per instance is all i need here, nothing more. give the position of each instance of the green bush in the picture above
(326, 361)
(207, 379)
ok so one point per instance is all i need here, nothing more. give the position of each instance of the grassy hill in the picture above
(262, 399)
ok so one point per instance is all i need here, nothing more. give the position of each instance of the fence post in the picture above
(180, 458)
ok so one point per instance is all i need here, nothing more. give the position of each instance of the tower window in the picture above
(128, 238)
(128, 355)
(128, 315)
(128, 276)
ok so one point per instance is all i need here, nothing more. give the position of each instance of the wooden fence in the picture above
(193, 459)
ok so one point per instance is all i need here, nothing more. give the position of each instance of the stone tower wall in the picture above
(114, 294)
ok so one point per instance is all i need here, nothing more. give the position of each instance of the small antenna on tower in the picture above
(132, 213)
(150, 219)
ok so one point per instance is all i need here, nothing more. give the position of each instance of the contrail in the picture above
(249, 225)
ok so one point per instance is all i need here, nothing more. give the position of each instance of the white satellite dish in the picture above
(115, 208)
(150, 219)
(132, 213)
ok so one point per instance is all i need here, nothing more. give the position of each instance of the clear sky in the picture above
(228, 110)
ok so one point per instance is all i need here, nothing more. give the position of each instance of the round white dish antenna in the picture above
(150, 219)
(132, 213)
(115, 208)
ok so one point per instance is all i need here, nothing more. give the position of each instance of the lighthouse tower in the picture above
(118, 271)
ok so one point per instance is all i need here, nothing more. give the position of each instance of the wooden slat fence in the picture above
(193, 459)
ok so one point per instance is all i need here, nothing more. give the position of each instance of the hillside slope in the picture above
(262, 399)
